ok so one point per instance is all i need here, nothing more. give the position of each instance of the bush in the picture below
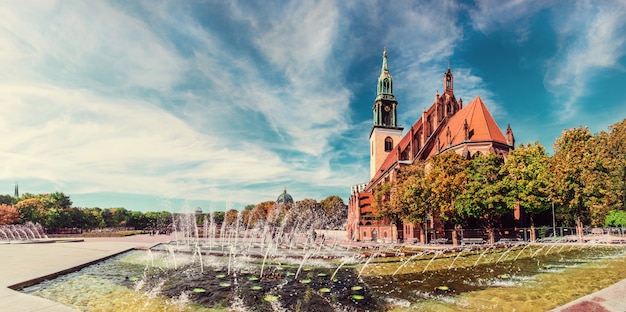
(616, 218)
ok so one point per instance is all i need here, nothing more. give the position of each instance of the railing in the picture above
(512, 236)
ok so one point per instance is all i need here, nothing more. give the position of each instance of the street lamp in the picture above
(553, 220)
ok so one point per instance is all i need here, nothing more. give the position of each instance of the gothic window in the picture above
(388, 144)
(386, 86)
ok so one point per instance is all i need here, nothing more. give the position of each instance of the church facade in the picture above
(445, 126)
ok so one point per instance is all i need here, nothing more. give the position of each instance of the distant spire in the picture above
(17, 190)
(384, 69)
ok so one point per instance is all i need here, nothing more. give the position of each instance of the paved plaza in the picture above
(22, 262)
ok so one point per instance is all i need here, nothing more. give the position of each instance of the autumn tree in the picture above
(405, 198)
(8, 214)
(231, 216)
(617, 150)
(336, 212)
(31, 209)
(259, 213)
(445, 178)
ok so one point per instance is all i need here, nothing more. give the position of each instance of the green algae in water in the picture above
(321, 274)
(358, 297)
(133, 279)
(256, 287)
(324, 290)
(290, 274)
(305, 281)
(199, 290)
(224, 284)
(253, 278)
(270, 298)
(357, 287)
(220, 276)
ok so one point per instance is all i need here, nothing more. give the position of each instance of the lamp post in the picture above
(553, 220)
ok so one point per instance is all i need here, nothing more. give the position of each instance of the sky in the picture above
(173, 105)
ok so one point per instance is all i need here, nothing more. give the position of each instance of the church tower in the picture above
(385, 132)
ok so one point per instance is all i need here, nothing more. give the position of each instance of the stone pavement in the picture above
(612, 298)
(24, 262)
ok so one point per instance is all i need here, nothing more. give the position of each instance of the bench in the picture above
(472, 241)
(439, 241)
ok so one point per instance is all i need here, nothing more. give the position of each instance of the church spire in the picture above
(385, 83)
(17, 191)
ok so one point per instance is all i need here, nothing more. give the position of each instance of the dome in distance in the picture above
(284, 198)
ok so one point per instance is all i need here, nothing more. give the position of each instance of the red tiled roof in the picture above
(481, 127)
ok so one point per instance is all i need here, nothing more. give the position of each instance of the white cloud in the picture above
(590, 38)
(101, 100)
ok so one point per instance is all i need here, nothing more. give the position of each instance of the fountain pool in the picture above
(532, 277)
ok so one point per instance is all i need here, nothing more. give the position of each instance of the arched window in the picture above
(385, 234)
(386, 86)
(364, 234)
(388, 144)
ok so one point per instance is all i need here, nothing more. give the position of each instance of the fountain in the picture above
(281, 267)
(21, 232)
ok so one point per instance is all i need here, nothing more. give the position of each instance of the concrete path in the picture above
(22, 262)
(612, 298)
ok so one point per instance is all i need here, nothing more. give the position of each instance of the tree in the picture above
(405, 198)
(31, 209)
(527, 178)
(567, 165)
(8, 200)
(260, 213)
(445, 178)
(231, 216)
(8, 214)
(616, 218)
(336, 212)
(484, 195)
(617, 150)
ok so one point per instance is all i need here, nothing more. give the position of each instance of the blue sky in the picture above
(171, 105)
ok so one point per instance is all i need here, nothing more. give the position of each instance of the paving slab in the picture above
(610, 299)
(21, 262)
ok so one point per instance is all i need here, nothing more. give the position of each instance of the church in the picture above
(445, 126)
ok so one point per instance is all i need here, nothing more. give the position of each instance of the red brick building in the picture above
(445, 126)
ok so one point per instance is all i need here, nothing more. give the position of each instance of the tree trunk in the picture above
(579, 230)
(533, 234)
(455, 235)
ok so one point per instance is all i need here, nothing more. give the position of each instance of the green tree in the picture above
(484, 196)
(7, 200)
(616, 218)
(527, 178)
